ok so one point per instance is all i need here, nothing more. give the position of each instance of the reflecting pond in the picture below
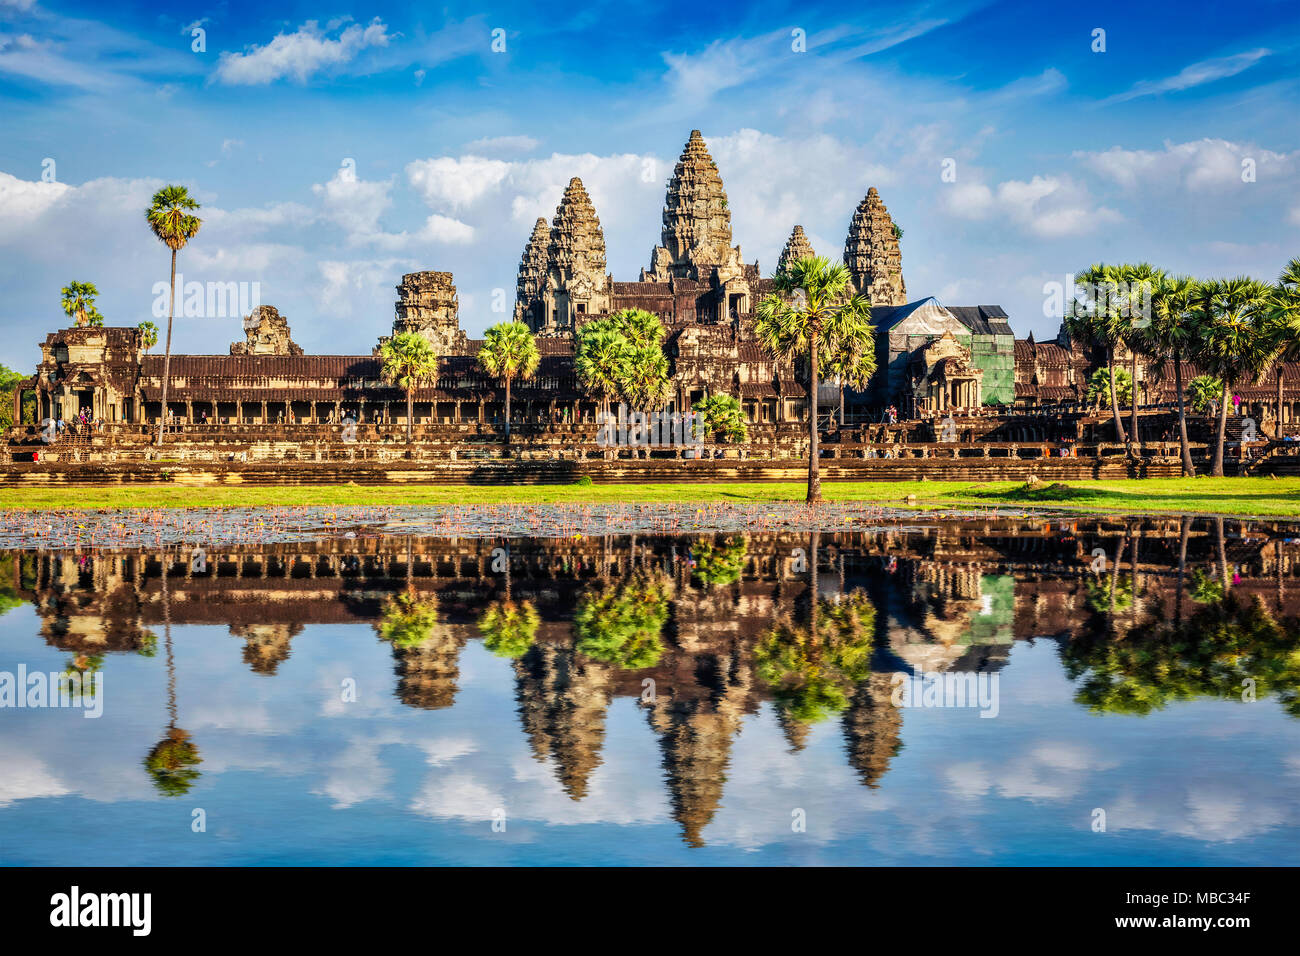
(992, 690)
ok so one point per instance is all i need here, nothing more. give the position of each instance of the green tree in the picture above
(603, 354)
(1139, 283)
(1172, 336)
(79, 300)
(10, 381)
(1202, 391)
(171, 218)
(721, 414)
(1097, 319)
(148, 335)
(719, 562)
(509, 351)
(1282, 324)
(810, 309)
(1099, 386)
(408, 362)
(1233, 344)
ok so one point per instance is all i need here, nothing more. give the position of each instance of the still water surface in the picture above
(664, 699)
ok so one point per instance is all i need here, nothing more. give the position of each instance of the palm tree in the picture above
(852, 362)
(1101, 324)
(1233, 343)
(79, 300)
(148, 335)
(509, 351)
(602, 357)
(1282, 320)
(1139, 282)
(170, 217)
(1172, 335)
(1204, 391)
(810, 308)
(408, 362)
(172, 761)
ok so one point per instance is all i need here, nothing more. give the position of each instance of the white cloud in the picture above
(299, 54)
(1196, 165)
(456, 182)
(355, 205)
(1046, 206)
(1197, 74)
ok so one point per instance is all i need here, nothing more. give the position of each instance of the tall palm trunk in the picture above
(1133, 419)
(167, 357)
(1189, 470)
(1114, 396)
(507, 408)
(841, 404)
(1277, 430)
(410, 412)
(814, 452)
(1217, 468)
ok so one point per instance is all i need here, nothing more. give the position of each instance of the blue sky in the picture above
(336, 147)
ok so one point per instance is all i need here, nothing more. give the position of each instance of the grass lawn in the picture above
(1236, 496)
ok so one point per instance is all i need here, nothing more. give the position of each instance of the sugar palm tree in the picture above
(1282, 319)
(810, 308)
(1098, 322)
(639, 327)
(1139, 282)
(170, 216)
(602, 357)
(1203, 391)
(1234, 345)
(1172, 335)
(509, 351)
(408, 362)
(79, 300)
(852, 362)
(148, 335)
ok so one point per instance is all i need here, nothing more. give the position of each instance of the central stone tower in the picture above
(871, 252)
(697, 221)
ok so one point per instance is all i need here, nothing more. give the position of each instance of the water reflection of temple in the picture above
(947, 596)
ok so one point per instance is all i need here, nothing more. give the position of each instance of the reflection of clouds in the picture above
(461, 796)
(1215, 813)
(25, 778)
(1048, 771)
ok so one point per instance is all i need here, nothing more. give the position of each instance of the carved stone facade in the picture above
(796, 247)
(532, 277)
(872, 254)
(696, 233)
(266, 332)
(427, 304)
(576, 284)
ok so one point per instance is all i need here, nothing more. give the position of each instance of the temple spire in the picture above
(696, 221)
(796, 247)
(532, 274)
(871, 252)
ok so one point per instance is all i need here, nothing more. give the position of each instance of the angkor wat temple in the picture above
(932, 358)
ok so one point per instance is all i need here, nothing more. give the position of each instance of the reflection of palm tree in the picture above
(508, 628)
(1222, 644)
(813, 668)
(622, 624)
(871, 728)
(427, 656)
(173, 760)
(720, 563)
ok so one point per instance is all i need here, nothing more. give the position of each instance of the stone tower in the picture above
(872, 255)
(266, 332)
(427, 304)
(697, 222)
(532, 277)
(576, 281)
(796, 247)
